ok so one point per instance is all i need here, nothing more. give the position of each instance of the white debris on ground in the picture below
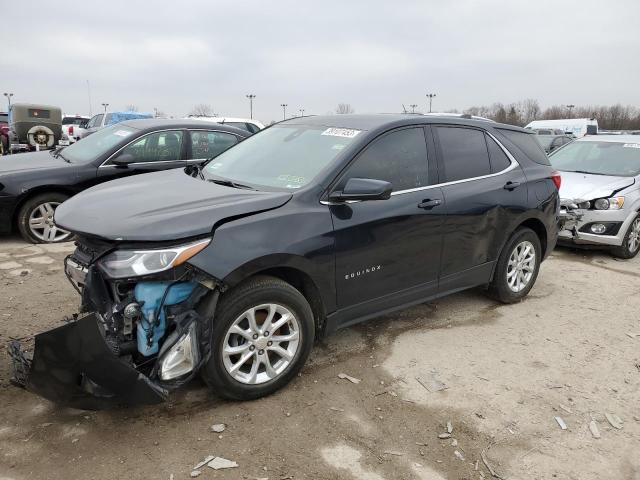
(344, 376)
(219, 463)
(218, 427)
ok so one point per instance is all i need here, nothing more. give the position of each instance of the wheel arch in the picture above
(294, 276)
(38, 191)
(538, 228)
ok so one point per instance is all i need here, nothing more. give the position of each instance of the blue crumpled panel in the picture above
(117, 117)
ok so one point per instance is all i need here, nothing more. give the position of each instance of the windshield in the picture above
(599, 158)
(89, 148)
(74, 120)
(545, 141)
(283, 156)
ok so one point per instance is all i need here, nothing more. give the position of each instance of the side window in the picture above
(527, 143)
(156, 147)
(399, 157)
(210, 144)
(94, 120)
(108, 119)
(464, 153)
(499, 159)
(251, 128)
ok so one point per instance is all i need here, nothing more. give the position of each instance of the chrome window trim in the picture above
(513, 165)
(114, 154)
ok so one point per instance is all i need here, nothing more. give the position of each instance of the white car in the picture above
(578, 127)
(248, 125)
(72, 129)
(600, 193)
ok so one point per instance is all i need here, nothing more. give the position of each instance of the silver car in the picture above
(600, 193)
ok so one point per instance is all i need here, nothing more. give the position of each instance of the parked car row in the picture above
(232, 268)
(33, 185)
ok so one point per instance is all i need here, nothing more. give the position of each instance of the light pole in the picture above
(284, 110)
(413, 107)
(155, 112)
(9, 95)
(430, 97)
(105, 105)
(251, 96)
(570, 107)
(302, 112)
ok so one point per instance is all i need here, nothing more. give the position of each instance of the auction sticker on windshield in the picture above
(631, 145)
(122, 133)
(341, 132)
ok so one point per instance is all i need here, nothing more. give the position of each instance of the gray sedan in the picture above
(600, 193)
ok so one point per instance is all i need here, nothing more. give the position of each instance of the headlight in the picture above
(135, 263)
(613, 203)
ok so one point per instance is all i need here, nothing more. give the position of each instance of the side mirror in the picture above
(363, 189)
(123, 160)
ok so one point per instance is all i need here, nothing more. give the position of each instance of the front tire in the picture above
(35, 219)
(517, 268)
(631, 243)
(263, 332)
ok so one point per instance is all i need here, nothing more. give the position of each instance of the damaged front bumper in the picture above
(102, 360)
(73, 365)
(575, 225)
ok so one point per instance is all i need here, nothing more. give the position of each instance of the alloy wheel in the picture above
(634, 236)
(261, 343)
(521, 266)
(41, 223)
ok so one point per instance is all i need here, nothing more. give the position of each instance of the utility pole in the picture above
(89, 95)
(9, 95)
(570, 107)
(430, 96)
(284, 110)
(251, 96)
(105, 105)
(413, 107)
(302, 112)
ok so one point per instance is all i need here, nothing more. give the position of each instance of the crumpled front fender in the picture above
(72, 365)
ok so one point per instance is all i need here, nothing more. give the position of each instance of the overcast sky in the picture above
(375, 55)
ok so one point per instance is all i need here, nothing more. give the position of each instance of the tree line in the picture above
(610, 117)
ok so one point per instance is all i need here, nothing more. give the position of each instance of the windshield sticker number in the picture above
(631, 145)
(341, 132)
(122, 133)
(292, 179)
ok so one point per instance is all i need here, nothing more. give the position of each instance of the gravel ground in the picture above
(499, 374)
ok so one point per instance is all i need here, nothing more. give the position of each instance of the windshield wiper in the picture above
(229, 183)
(588, 173)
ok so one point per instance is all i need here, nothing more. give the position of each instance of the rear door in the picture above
(484, 189)
(206, 144)
(388, 251)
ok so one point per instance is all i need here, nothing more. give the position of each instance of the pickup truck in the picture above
(73, 127)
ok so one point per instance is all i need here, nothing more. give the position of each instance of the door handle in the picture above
(511, 185)
(428, 204)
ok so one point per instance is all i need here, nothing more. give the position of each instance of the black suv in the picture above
(311, 225)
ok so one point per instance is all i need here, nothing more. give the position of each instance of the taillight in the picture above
(557, 179)
(71, 130)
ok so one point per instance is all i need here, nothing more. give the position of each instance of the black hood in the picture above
(24, 162)
(159, 206)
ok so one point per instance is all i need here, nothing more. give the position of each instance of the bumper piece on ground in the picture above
(73, 365)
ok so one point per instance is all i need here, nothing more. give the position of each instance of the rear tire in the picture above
(517, 268)
(35, 219)
(270, 302)
(631, 242)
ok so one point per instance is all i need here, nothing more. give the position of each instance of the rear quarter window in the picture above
(528, 144)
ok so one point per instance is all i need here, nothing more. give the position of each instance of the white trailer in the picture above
(579, 127)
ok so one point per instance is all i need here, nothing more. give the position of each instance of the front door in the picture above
(152, 152)
(388, 251)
